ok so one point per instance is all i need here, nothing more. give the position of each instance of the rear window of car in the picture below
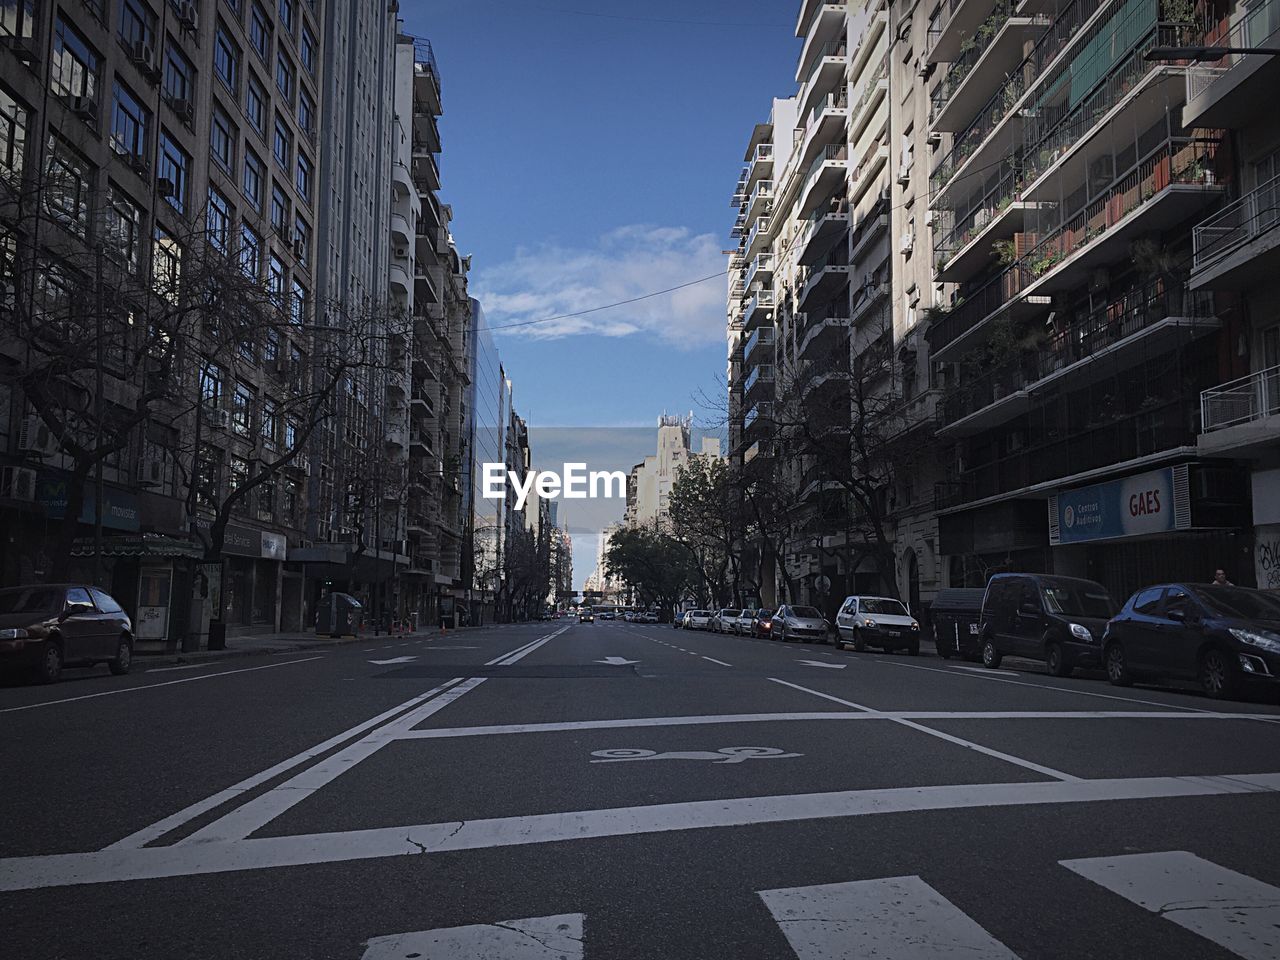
(30, 600)
(806, 613)
(1239, 602)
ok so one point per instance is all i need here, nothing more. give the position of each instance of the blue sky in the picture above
(589, 154)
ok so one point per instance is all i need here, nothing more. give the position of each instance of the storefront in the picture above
(1266, 528)
(251, 580)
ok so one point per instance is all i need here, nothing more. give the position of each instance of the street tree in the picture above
(657, 568)
(703, 518)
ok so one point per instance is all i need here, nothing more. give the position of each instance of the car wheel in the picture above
(1056, 660)
(991, 657)
(1117, 668)
(50, 667)
(123, 659)
(858, 644)
(1217, 675)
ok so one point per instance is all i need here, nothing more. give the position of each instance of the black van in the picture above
(1059, 620)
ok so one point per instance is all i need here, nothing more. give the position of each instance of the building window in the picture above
(242, 409)
(137, 23)
(179, 76)
(124, 230)
(279, 209)
(270, 426)
(306, 112)
(276, 281)
(222, 141)
(209, 477)
(284, 76)
(17, 18)
(67, 193)
(226, 60)
(253, 179)
(286, 14)
(307, 48)
(302, 241)
(166, 264)
(271, 346)
(250, 252)
(210, 386)
(237, 471)
(291, 498)
(14, 121)
(219, 222)
(291, 426)
(298, 304)
(283, 143)
(304, 176)
(260, 31)
(75, 64)
(174, 166)
(130, 123)
(255, 104)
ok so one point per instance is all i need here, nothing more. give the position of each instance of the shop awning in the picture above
(145, 545)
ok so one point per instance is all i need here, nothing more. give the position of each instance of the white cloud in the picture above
(631, 261)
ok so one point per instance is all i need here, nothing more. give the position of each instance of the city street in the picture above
(626, 791)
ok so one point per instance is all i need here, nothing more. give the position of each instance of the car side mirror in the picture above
(76, 609)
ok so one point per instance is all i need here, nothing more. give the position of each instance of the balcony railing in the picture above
(762, 374)
(832, 48)
(764, 151)
(1252, 30)
(995, 199)
(832, 101)
(1241, 401)
(1237, 224)
(1120, 318)
(761, 337)
(971, 51)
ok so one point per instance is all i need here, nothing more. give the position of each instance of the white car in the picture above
(746, 622)
(698, 619)
(877, 622)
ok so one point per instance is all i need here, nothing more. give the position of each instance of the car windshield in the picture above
(1239, 602)
(765, 613)
(806, 613)
(1078, 600)
(29, 600)
(881, 605)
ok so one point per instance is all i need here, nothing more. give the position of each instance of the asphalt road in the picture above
(629, 792)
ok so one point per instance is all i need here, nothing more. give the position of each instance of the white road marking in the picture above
(898, 918)
(958, 741)
(1238, 913)
(189, 666)
(383, 663)
(827, 666)
(187, 814)
(1002, 674)
(721, 662)
(116, 865)
(723, 755)
(152, 686)
(258, 812)
(617, 661)
(538, 938)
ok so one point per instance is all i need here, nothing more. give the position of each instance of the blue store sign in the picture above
(1132, 507)
(119, 509)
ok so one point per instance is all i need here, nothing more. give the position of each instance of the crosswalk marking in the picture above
(557, 937)
(898, 918)
(1236, 912)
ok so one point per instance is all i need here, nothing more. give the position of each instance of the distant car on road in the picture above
(586, 616)
(1222, 637)
(1059, 620)
(698, 619)
(724, 621)
(646, 617)
(45, 627)
(745, 622)
(762, 624)
(799, 623)
(879, 622)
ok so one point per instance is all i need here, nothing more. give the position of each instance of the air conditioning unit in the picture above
(138, 164)
(280, 364)
(21, 47)
(152, 473)
(142, 54)
(219, 418)
(300, 249)
(18, 483)
(285, 233)
(166, 187)
(188, 15)
(402, 252)
(86, 108)
(908, 240)
(36, 438)
(934, 138)
(185, 109)
(930, 217)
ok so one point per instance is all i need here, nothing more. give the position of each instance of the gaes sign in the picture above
(1132, 507)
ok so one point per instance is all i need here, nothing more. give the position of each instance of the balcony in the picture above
(828, 171)
(872, 227)
(1241, 418)
(968, 245)
(817, 236)
(959, 21)
(759, 346)
(825, 69)
(874, 160)
(761, 163)
(758, 238)
(823, 281)
(1227, 93)
(759, 309)
(874, 92)
(824, 124)
(426, 174)
(761, 200)
(1140, 324)
(759, 383)
(421, 405)
(824, 332)
(426, 76)
(825, 22)
(426, 133)
(761, 268)
(1240, 244)
(758, 421)
(399, 277)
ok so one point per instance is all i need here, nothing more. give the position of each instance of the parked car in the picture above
(722, 620)
(1221, 637)
(1059, 620)
(586, 616)
(646, 617)
(879, 622)
(745, 622)
(698, 619)
(762, 624)
(679, 620)
(799, 623)
(45, 627)
(956, 615)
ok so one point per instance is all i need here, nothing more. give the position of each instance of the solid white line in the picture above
(189, 666)
(721, 662)
(152, 686)
(958, 741)
(897, 918)
(559, 937)
(984, 670)
(1238, 913)
(113, 865)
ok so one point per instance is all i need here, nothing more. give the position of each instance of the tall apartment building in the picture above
(1069, 183)
(650, 481)
(141, 140)
(489, 399)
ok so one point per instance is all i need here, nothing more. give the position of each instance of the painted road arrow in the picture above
(383, 663)
(617, 661)
(819, 663)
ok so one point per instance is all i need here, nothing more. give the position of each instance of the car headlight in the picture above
(1258, 638)
(13, 634)
(868, 622)
(914, 625)
(1081, 632)
(766, 625)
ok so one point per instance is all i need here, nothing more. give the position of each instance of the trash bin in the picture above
(340, 615)
(956, 615)
(217, 635)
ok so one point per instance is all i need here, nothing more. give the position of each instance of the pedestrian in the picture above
(1220, 579)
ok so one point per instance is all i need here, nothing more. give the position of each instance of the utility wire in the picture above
(637, 19)
(609, 306)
